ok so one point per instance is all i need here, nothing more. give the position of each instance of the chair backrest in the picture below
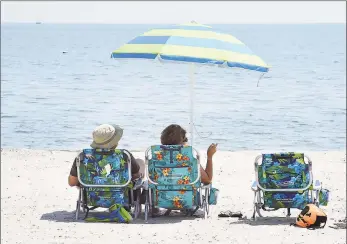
(284, 171)
(107, 168)
(173, 165)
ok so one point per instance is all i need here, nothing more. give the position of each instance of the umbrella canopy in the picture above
(193, 43)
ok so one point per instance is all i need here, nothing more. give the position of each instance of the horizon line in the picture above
(219, 23)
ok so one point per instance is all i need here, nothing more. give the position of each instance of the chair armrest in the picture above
(140, 183)
(145, 185)
(317, 185)
(254, 186)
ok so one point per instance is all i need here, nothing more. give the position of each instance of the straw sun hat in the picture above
(106, 136)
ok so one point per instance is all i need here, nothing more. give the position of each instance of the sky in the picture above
(160, 12)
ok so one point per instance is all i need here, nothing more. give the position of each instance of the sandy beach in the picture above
(37, 205)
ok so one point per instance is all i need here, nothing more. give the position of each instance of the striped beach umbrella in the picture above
(192, 43)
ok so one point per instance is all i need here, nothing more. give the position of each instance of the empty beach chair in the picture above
(285, 180)
(105, 178)
(174, 180)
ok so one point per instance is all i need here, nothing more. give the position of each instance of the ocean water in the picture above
(58, 83)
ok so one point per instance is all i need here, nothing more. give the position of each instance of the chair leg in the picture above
(78, 204)
(254, 205)
(312, 197)
(257, 205)
(135, 203)
(132, 198)
(151, 207)
(139, 206)
(288, 212)
(146, 206)
(207, 196)
(205, 208)
(253, 215)
(84, 200)
(77, 210)
(258, 211)
(316, 202)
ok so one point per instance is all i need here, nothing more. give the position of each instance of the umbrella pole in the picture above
(192, 81)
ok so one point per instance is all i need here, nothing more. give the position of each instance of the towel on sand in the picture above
(117, 214)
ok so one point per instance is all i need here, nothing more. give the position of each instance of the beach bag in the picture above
(117, 213)
(311, 217)
(213, 197)
(324, 196)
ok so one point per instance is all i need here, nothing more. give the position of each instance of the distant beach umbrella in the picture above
(192, 43)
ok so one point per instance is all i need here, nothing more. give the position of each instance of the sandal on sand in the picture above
(228, 213)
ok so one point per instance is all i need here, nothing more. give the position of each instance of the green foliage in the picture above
(103, 172)
(282, 160)
(117, 151)
(102, 163)
(279, 204)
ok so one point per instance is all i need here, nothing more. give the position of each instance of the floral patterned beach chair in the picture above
(105, 180)
(174, 180)
(285, 180)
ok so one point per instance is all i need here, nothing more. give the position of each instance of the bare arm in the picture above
(207, 174)
(135, 167)
(73, 181)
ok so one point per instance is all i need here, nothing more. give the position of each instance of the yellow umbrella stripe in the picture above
(187, 51)
(194, 33)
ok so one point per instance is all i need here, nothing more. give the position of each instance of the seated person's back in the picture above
(176, 135)
(105, 136)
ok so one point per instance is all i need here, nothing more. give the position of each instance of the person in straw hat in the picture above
(106, 136)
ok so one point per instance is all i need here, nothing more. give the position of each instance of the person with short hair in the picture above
(176, 135)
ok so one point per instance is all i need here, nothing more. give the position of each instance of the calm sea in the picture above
(58, 82)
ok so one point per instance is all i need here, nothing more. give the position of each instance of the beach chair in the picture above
(105, 180)
(284, 180)
(173, 175)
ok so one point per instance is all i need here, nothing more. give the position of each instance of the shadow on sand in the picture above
(59, 216)
(69, 217)
(266, 221)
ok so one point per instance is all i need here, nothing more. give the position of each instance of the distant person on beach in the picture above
(106, 137)
(176, 135)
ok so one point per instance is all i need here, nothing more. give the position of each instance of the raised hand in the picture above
(212, 150)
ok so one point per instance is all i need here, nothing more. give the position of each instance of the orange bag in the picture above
(311, 217)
